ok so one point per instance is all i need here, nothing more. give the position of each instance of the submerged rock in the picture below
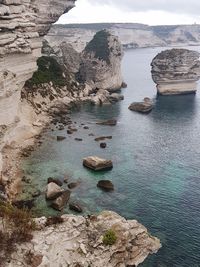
(78, 139)
(145, 106)
(60, 202)
(61, 138)
(101, 138)
(103, 145)
(176, 71)
(106, 185)
(53, 191)
(111, 122)
(73, 185)
(124, 85)
(97, 164)
(75, 207)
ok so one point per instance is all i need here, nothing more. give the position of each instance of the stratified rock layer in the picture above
(22, 25)
(176, 71)
(78, 241)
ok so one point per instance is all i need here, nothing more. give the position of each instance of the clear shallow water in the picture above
(156, 163)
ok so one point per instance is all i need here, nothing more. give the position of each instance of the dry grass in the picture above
(16, 227)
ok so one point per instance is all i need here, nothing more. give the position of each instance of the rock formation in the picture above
(101, 62)
(78, 241)
(23, 23)
(176, 71)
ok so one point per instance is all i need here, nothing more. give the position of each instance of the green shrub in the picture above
(48, 71)
(109, 238)
(100, 46)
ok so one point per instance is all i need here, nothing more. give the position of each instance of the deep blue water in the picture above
(156, 163)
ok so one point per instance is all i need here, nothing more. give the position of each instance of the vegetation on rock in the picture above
(109, 238)
(48, 71)
(100, 46)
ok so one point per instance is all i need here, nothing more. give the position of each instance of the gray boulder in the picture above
(145, 106)
(60, 202)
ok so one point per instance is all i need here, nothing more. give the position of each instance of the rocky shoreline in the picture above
(77, 241)
(29, 106)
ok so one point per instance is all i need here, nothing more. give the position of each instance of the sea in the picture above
(156, 159)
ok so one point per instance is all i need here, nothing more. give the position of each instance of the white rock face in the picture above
(78, 241)
(23, 23)
(176, 71)
(101, 62)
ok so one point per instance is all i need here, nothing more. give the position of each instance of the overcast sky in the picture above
(152, 12)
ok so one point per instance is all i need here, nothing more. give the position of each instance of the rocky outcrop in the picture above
(176, 71)
(101, 62)
(97, 164)
(78, 241)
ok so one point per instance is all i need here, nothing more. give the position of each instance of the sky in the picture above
(152, 12)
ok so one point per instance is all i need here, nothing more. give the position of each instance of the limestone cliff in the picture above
(101, 62)
(131, 35)
(176, 71)
(78, 242)
(23, 23)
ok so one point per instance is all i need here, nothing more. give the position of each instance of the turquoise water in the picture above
(156, 161)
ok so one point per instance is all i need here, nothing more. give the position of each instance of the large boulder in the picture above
(145, 106)
(176, 71)
(60, 202)
(97, 164)
(53, 191)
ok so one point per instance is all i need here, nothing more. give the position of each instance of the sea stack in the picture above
(101, 62)
(176, 71)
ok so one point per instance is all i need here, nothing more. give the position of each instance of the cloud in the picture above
(152, 12)
(174, 6)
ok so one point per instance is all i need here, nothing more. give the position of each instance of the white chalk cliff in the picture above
(23, 23)
(101, 62)
(131, 35)
(176, 71)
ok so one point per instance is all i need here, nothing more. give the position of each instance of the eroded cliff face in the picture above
(23, 23)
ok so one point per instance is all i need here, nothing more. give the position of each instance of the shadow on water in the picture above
(178, 109)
